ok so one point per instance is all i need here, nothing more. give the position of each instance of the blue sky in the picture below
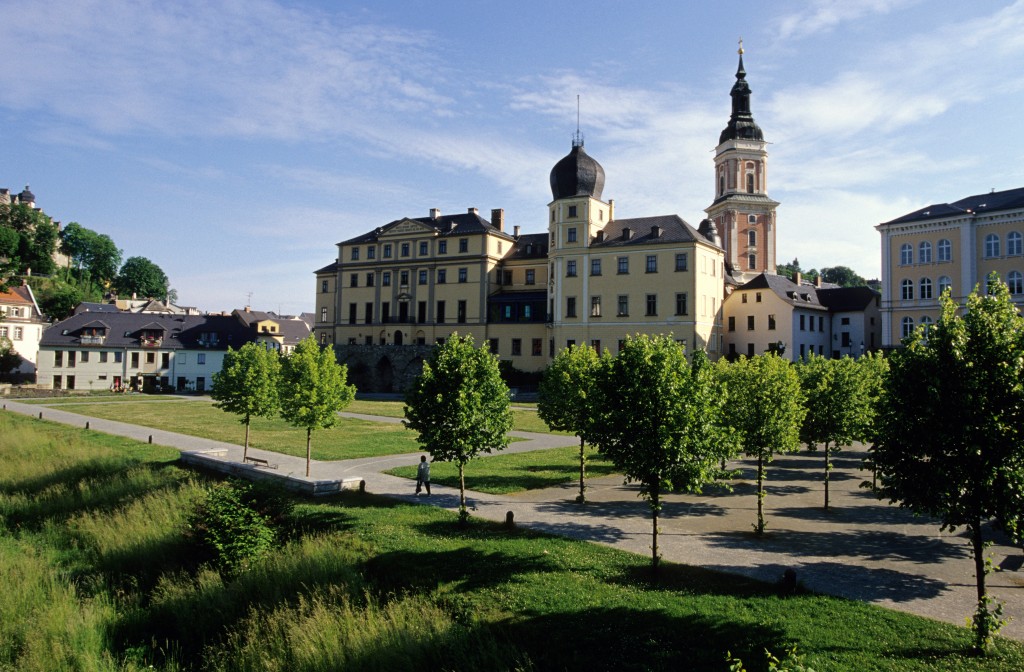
(234, 143)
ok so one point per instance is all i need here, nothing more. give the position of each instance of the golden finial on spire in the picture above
(740, 50)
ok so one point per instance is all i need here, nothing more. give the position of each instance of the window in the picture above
(385, 278)
(757, 297)
(595, 306)
(405, 249)
(945, 250)
(423, 248)
(403, 278)
(371, 253)
(595, 343)
(771, 323)
(803, 323)
(623, 263)
(352, 313)
(572, 214)
(652, 263)
(623, 309)
(387, 250)
(463, 275)
(323, 286)
(811, 323)
(505, 278)
(135, 360)
(517, 347)
(423, 277)
(201, 358)
(681, 308)
(732, 323)
(751, 261)
(531, 276)
(461, 317)
(3, 331)
(1015, 281)
(323, 314)
(118, 357)
(537, 347)
(907, 324)
(750, 322)
(906, 254)
(926, 288)
(353, 280)
(85, 356)
(369, 279)
(58, 358)
(924, 253)
(570, 235)
(570, 268)
(442, 276)
(355, 254)
(463, 245)
(442, 247)
(165, 359)
(440, 312)
(595, 267)
(652, 304)
(750, 183)
(927, 323)
(743, 297)
(104, 354)
(944, 284)
(752, 238)
(368, 312)
(570, 306)
(992, 245)
(907, 290)
(752, 219)
(421, 312)
(19, 333)
(681, 261)
(1014, 244)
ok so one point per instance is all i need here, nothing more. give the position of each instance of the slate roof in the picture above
(577, 174)
(124, 329)
(847, 299)
(530, 246)
(89, 307)
(673, 230)
(462, 224)
(798, 296)
(995, 201)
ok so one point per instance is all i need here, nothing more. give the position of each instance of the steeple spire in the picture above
(741, 123)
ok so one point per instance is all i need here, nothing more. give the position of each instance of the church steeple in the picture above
(741, 123)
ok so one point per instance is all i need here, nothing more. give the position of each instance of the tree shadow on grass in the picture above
(750, 488)
(402, 571)
(873, 514)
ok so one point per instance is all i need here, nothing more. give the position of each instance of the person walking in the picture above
(423, 475)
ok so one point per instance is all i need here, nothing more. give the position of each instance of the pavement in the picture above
(861, 548)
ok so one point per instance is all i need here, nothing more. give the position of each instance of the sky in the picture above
(236, 143)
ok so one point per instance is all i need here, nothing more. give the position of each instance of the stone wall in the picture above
(382, 368)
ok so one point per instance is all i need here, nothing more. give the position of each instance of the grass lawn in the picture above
(500, 474)
(97, 574)
(523, 420)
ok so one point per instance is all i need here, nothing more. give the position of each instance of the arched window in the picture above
(1014, 244)
(906, 254)
(907, 326)
(751, 261)
(990, 284)
(1015, 281)
(992, 245)
(927, 323)
(750, 183)
(721, 184)
(926, 288)
(751, 219)
(944, 284)
(945, 250)
(907, 290)
(752, 238)
(924, 253)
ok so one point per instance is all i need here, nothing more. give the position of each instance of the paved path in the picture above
(861, 549)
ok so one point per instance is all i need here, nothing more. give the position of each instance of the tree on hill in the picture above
(843, 276)
(661, 420)
(459, 405)
(60, 301)
(765, 410)
(94, 255)
(568, 398)
(313, 388)
(36, 239)
(141, 277)
(247, 385)
(951, 437)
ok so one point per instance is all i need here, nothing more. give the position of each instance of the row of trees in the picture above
(306, 388)
(844, 276)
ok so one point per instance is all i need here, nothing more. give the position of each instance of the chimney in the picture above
(473, 211)
(611, 209)
(656, 232)
(435, 213)
(817, 280)
(515, 230)
(626, 233)
(498, 219)
(797, 277)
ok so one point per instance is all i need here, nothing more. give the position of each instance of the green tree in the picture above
(661, 420)
(141, 277)
(460, 406)
(843, 276)
(9, 261)
(787, 270)
(313, 388)
(568, 398)
(837, 406)
(60, 301)
(765, 410)
(9, 359)
(37, 238)
(247, 385)
(875, 371)
(951, 441)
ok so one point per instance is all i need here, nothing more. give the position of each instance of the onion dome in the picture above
(709, 231)
(577, 174)
(27, 196)
(741, 124)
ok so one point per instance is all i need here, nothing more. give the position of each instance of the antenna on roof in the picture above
(577, 138)
(248, 299)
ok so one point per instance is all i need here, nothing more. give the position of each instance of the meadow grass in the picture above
(96, 574)
(500, 474)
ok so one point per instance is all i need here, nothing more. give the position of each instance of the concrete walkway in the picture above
(861, 548)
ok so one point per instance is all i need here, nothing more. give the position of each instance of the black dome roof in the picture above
(577, 174)
(741, 124)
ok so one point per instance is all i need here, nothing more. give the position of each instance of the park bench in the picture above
(260, 462)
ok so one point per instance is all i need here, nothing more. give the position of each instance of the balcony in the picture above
(92, 340)
(151, 342)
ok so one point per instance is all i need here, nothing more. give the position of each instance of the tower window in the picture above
(721, 184)
(572, 211)
(751, 219)
(750, 183)
(570, 235)
(752, 238)
(751, 261)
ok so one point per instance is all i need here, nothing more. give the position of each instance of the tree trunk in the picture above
(245, 449)
(462, 489)
(981, 624)
(655, 507)
(828, 468)
(760, 494)
(309, 449)
(583, 487)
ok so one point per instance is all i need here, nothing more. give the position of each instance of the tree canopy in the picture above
(94, 254)
(28, 241)
(459, 405)
(141, 277)
(951, 435)
(247, 384)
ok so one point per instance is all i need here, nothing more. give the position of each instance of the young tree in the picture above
(568, 397)
(836, 403)
(460, 406)
(951, 442)
(9, 358)
(875, 370)
(313, 389)
(765, 410)
(247, 384)
(141, 277)
(661, 420)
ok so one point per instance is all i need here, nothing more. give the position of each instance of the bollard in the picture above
(362, 486)
(40, 415)
(87, 424)
(510, 520)
(151, 438)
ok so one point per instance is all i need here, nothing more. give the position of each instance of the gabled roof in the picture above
(847, 299)
(995, 201)
(89, 307)
(180, 331)
(642, 229)
(462, 224)
(798, 296)
(17, 295)
(530, 246)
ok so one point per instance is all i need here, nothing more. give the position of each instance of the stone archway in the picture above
(398, 338)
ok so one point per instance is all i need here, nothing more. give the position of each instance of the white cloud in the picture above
(825, 15)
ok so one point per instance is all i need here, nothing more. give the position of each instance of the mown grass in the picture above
(95, 574)
(523, 419)
(501, 473)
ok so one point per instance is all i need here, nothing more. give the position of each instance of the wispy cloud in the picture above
(825, 15)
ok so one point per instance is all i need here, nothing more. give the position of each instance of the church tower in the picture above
(742, 212)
